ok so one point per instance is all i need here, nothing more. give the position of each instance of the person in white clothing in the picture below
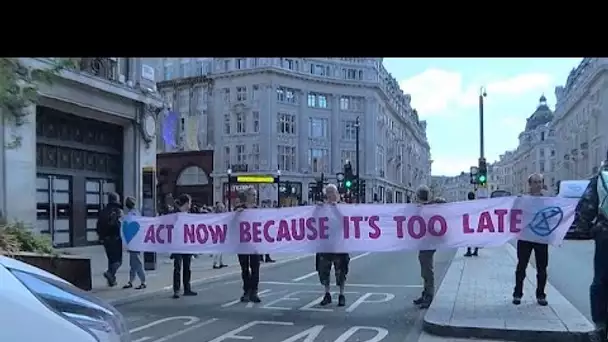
(217, 258)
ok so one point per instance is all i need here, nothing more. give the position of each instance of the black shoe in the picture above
(245, 297)
(341, 300)
(110, 279)
(426, 302)
(468, 254)
(175, 295)
(418, 300)
(516, 300)
(475, 253)
(141, 286)
(254, 298)
(223, 265)
(542, 301)
(190, 293)
(128, 285)
(326, 299)
(269, 260)
(215, 267)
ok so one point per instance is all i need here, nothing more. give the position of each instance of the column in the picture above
(270, 132)
(336, 136)
(368, 137)
(20, 167)
(303, 145)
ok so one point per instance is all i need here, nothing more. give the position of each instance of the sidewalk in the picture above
(474, 300)
(159, 280)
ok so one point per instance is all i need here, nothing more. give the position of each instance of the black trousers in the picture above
(250, 271)
(541, 255)
(182, 261)
(113, 249)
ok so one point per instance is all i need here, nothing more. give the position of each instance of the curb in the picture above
(434, 322)
(195, 282)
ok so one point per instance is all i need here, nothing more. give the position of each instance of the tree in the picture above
(19, 87)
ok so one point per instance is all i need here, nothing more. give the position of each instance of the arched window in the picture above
(193, 175)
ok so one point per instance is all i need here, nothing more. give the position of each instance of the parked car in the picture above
(500, 193)
(574, 189)
(38, 306)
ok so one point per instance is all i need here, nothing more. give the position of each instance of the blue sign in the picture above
(546, 221)
(129, 230)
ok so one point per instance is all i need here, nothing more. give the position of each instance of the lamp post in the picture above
(229, 172)
(482, 95)
(357, 127)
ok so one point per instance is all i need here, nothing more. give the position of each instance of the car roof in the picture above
(21, 266)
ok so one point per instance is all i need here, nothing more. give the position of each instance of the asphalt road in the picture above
(380, 290)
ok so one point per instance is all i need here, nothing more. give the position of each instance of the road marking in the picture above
(232, 334)
(189, 320)
(376, 286)
(312, 274)
(261, 294)
(183, 331)
(145, 338)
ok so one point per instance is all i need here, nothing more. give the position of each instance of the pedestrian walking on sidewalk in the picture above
(524, 252)
(425, 257)
(136, 267)
(475, 252)
(250, 263)
(182, 262)
(217, 257)
(108, 230)
(340, 261)
(592, 210)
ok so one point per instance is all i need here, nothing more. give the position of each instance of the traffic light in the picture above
(348, 176)
(473, 174)
(341, 186)
(361, 184)
(482, 174)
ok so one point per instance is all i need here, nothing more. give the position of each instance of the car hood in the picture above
(21, 266)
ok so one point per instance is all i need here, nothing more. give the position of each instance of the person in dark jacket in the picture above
(592, 210)
(182, 262)
(340, 261)
(108, 230)
(250, 263)
(475, 252)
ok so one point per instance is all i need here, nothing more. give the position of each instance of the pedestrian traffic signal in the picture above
(349, 177)
(361, 189)
(348, 184)
(482, 173)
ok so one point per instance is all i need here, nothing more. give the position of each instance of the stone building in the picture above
(92, 131)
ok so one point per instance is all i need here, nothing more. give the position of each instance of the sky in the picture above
(445, 92)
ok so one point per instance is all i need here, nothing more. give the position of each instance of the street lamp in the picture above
(358, 162)
(229, 172)
(482, 95)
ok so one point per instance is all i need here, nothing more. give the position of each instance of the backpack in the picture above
(602, 193)
(108, 219)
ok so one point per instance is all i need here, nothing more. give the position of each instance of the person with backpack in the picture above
(108, 230)
(592, 210)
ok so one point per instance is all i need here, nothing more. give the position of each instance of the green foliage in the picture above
(16, 237)
(19, 84)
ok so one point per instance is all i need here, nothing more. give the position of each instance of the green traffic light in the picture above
(348, 184)
(482, 179)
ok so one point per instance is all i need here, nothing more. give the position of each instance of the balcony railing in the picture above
(101, 67)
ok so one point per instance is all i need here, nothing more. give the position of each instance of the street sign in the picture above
(255, 179)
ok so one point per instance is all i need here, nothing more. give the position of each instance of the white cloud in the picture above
(435, 91)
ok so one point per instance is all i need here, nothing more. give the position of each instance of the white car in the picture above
(38, 306)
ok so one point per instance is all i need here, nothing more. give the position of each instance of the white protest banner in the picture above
(355, 227)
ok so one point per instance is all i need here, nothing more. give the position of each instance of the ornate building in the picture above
(299, 116)
(581, 119)
(92, 131)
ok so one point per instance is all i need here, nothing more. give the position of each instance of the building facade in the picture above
(91, 132)
(298, 117)
(581, 119)
(535, 153)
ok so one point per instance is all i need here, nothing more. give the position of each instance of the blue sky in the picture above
(445, 91)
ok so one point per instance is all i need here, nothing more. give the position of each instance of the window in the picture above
(256, 122)
(226, 95)
(351, 74)
(226, 65)
(288, 63)
(254, 157)
(286, 157)
(344, 103)
(360, 75)
(280, 95)
(286, 95)
(227, 124)
(241, 157)
(183, 69)
(317, 100)
(184, 102)
(542, 152)
(167, 72)
(241, 93)
(351, 103)
(346, 156)
(552, 153)
(241, 63)
(542, 166)
(318, 160)
(350, 130)
(199, 68)
(286, 123)
(256, 92)
(542, 136)
(241, 124)
(255, 62)
(317, 128)
(227, 158)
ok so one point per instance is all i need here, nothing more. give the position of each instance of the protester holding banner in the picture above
(592, 211)
(183, 203)
(340, 261)
(425, 257)
(524, 252)
(250, 263)
(471, 197)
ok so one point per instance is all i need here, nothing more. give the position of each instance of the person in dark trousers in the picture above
(250, 263)
(182, 262)
(108, 230)
(592, 212)
(475, 251)
(524, 252)
(136, 267)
